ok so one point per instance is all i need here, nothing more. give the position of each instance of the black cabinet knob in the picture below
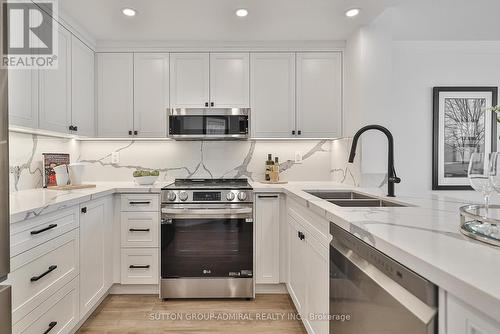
(293, 132)
(299, 132)
(130, 133)
(135, 133)
(212, 104)
(75, 128)
(206, 104)
(84, 210)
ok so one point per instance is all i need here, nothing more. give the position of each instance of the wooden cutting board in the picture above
(72, 187)
(269, 182)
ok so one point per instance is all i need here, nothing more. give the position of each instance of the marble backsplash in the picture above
(323, 160)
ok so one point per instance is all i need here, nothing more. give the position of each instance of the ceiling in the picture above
(214, 20)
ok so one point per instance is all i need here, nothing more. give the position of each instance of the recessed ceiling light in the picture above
(242, 12)
(129, 11)
(352, 12)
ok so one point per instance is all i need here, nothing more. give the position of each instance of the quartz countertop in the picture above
(424, 237)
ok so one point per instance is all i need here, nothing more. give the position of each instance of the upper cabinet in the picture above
(229, 80)
(215, 80)
(151, 94)
(82, 88)
(23, 98)
(189, 80)
(273, 95)
(115, 95)
(319, 95)
(55, 88)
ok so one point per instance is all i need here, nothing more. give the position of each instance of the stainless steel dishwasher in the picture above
(371, 293)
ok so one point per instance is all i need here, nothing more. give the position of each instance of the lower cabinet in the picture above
(96, 230)
(308, 281)
(462, 318)
(139, 266)
(267, 237)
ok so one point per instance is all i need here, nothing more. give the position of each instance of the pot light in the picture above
(352, 12)
(242, 12)
(129, 12)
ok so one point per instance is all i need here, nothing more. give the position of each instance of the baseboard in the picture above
(271, 289)
(132, 289)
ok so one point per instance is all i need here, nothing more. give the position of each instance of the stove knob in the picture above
(242, 196)
(183, 196)
(230, 196)
(171, 196)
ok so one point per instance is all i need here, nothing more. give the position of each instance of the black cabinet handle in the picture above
(293, 132)
(133, 266)
(301, 235)
(206, 104)
(71, 128)
(130, 133)
(299, 132)
(50, 227)
(139, 229)
(139, 203)
(75, 128)
(51, 325)
(267, 196)
(84, 209)
(51, 269)
(212, 104)
(136, 132)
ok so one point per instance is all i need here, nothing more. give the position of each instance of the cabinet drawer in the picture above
(30, 233)
(139, 266)
(140, 202)
(139, 229)
(59, 313)
(40, 272)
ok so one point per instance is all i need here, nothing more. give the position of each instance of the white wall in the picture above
(393, 71)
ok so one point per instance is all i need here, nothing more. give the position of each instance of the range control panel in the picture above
(211, 196)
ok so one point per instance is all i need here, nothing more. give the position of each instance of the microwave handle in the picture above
(425, 313)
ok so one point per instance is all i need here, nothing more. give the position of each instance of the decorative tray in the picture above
(475, 224)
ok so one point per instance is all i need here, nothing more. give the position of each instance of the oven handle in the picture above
(425, 313)
(204, 213)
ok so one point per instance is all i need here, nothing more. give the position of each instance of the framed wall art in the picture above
(462, 125)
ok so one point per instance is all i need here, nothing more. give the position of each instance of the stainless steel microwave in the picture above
(208, 124)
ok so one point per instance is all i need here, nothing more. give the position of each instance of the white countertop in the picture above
(424, 237)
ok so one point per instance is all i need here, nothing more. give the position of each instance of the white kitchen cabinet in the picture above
(319, 95)
(298, 262)
(189, 80)
(95, 252)
(139, 266)
(229, 80)
(151, 94)
(82, 88)
(462, 318)
(273, 95)
(55, 88)
(115, 95)
(140, 229)
(267, 229)
(23, 98)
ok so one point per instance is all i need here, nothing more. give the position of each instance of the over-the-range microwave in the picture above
(208, 124)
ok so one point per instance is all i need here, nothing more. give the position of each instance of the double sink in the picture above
(352, 199)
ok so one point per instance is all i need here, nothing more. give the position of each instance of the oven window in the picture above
(207, 248)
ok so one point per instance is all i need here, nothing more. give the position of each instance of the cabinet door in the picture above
(229, 80)
(92, 254)
(464, 319)
(189, 80)
(23, 98)
(273, 95)
(319, 95)
(151, 94)
(267, 245)
(317, 284)
(82, 88)
(298, 262)
(55, 88)
(115, 94)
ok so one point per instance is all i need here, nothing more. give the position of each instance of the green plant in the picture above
(496, 110)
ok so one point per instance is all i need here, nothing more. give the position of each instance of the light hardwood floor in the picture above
(148, 314)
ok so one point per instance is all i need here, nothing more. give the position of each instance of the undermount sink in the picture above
(354, 199)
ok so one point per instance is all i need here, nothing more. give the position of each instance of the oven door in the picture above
(208, 123)
(207, 241)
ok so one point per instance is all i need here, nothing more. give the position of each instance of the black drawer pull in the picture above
(139, 230)
(51, 325)
(50, 227)
(51, 269)
(133, 266)
(268, 196)
(139, 203)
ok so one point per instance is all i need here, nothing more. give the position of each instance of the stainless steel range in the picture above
(207, 239)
